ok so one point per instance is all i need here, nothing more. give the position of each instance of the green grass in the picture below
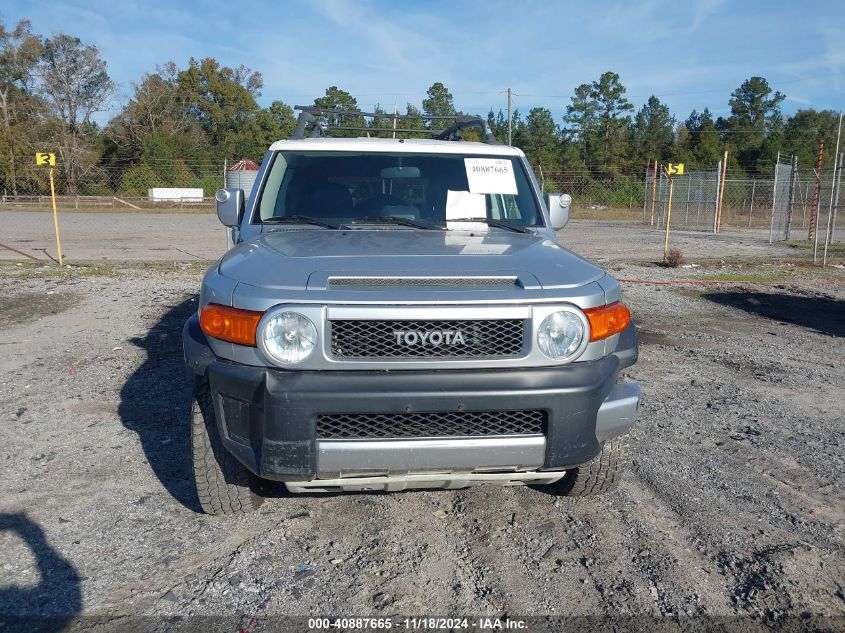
(831, 248)
(750, 278)
(579, 212)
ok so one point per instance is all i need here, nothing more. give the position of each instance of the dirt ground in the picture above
(733, 511)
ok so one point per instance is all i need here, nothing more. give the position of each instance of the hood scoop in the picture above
(440, 283)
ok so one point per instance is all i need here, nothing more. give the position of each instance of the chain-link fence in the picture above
(617, 198)
(805, 206)
(746, 201)
(694, 198)
(114, 186)
(783, 203)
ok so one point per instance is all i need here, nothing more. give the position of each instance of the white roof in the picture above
(410, 145)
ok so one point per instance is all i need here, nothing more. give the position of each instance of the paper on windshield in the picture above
(490, 175)
(463, 204)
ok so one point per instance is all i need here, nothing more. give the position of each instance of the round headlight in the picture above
(289, 337)
(561, 335)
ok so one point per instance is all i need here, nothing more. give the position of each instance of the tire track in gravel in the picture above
(669, 551)
(450, 579)
(754, 562)
(491, 540)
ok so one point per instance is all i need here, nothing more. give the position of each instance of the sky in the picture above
(689, 54)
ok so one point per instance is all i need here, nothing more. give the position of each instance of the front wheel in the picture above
(224, 485)
(602, 474)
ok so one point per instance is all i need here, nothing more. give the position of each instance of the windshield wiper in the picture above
(395, 219)
(300, 219)
(500, 224)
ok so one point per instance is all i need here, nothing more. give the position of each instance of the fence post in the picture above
(716, 201)
(812, 232)
(774, 199)
(668, 218)
(722, 192)
(653, 191)
(751, 208)
(790, 199)
(645, 193)
(831, 216)
(689, 189)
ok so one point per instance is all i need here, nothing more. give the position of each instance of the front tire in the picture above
(224, 485)
(601, 475)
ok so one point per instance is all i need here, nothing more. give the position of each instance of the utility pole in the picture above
(510, 119)
(812, 232)
(831, 214)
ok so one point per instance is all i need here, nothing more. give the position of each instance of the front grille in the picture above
(501, 338)
(437, 424)
(423, 281)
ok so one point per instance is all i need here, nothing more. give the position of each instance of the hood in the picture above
(305, 258)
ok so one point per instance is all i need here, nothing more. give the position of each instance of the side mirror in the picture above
(558, 204)
(230, 206)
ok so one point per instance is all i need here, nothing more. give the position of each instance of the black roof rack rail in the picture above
(313, 116)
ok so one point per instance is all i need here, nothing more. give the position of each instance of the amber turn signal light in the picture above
(230, 324)
(607, 320)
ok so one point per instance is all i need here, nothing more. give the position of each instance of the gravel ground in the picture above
(190, 237)
(734, 507)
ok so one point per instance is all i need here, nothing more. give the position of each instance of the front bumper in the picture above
(267, 416)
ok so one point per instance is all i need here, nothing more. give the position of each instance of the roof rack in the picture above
(315, 118)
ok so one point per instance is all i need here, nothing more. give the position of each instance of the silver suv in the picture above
(397, 313)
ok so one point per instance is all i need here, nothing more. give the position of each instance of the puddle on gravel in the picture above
(26, 307)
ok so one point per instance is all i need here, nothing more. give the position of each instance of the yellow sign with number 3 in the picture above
(45, 158)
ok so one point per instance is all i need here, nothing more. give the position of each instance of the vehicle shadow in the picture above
(155, 402)
(819, 313)
(55, 600)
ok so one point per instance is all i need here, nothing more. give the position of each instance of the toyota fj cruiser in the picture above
(397, 313)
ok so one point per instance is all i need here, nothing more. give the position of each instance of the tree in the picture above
(412, 124)
(597, 124)
(611, 106)
(222, 101)
(801, 136)
(539, 138)
(19, 53)
(498, 124)
(702, 146)
(755, 113)
(438, 103)
(653, 131)
(276, 122)
(157, 124)
(337, 99)
(75, 82)
(580, 122)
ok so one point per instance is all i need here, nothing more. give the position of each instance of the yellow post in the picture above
(668, 216)
(56, 218)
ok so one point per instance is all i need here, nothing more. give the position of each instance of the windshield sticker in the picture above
(463, 204)
(490, 175)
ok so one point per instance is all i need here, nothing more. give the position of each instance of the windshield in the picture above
(345, 187)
